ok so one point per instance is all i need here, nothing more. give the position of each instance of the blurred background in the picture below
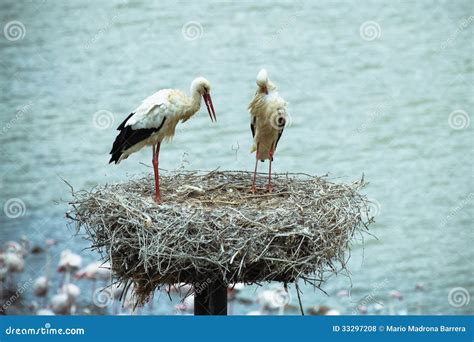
(383, 89)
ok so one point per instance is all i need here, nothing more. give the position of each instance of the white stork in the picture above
(268, 118)
(156, 119)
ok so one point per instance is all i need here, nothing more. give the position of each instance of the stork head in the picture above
(262, 80)
(202, 87)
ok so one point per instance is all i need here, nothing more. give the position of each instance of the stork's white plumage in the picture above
(155, 120)
(268, 118)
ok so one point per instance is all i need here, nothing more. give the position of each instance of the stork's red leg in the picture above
(270, 155)
(156, 152)
(254, 187)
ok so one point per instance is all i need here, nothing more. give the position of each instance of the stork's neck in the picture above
(195, 101)
(192, 107)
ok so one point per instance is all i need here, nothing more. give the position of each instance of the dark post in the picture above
(210, 298)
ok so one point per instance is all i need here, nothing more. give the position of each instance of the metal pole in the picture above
(211, 299)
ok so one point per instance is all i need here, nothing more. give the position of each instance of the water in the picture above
(376, 107)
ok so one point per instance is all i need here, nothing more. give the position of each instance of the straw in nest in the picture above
(211, 225)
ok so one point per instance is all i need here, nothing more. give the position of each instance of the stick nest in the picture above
(210, 225)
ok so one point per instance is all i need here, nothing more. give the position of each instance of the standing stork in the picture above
(156, 119)
(268, 118)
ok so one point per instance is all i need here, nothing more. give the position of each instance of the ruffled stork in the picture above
(156, 119)
(268, 118)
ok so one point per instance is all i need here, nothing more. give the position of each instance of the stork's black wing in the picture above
(129, 137)
(281, 126)
(122, 125)
(252, 126)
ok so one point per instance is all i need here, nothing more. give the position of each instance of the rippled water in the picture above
(380, 89)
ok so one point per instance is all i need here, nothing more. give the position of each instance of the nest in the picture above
(210, 225)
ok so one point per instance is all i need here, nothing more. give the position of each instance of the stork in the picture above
(155, 120)
(268, 118)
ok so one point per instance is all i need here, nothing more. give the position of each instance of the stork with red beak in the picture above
(268, 119)
(155, 120)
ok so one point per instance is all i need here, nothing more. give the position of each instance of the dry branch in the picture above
(209, 224)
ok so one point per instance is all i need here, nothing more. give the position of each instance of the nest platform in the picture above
(210, 225)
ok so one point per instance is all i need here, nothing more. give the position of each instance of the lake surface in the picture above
(380, 89)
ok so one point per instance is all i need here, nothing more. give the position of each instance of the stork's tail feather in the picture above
(115, 157)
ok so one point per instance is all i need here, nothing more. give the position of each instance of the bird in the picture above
(234, 289)
(94, 271)
(155, 120)
(323, 310)
(45, 312)
(41, 286)
(69, 262)
(396, 296)
(11, 263)
(180, 288)
(20, 249)
(273, 300)
(268, 117)
(61, 304)
(186, 305)
(64, 302)
(73, 292)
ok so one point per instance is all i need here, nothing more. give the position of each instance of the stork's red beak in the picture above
(210, 107)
